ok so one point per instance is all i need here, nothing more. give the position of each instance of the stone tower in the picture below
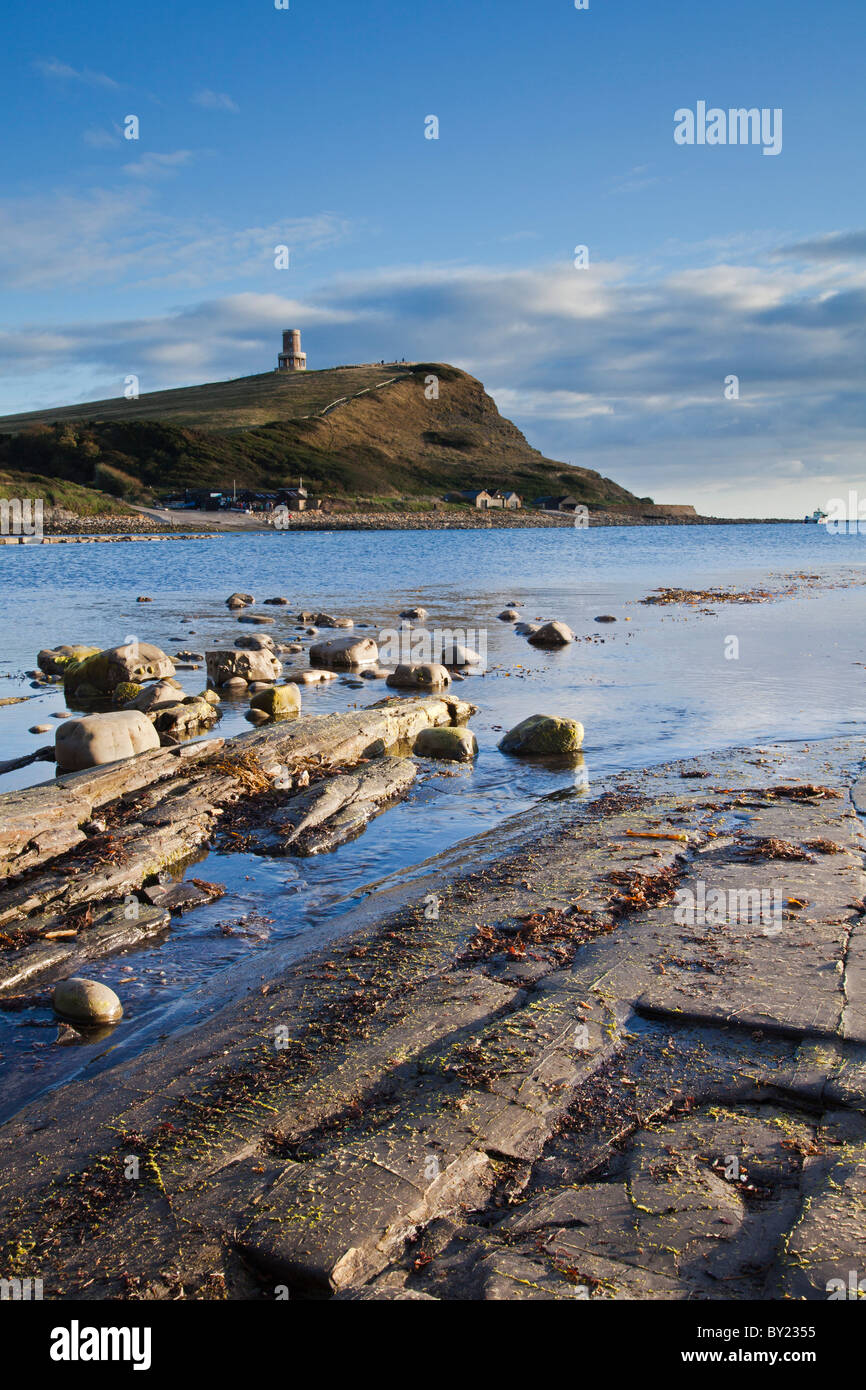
(291, 359)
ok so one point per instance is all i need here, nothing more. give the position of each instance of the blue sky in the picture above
(305, 127)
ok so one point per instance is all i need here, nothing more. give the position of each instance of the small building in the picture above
(566, 503)
(203, 499)
(512, 501)
(295, 498)
(476, 497)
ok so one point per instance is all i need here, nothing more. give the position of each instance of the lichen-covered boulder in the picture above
(344, 652)
(86, 1001)
(103, 738)
(104, 671)
(543, 733)
(422, 675)
(278, 701)
(126, 691)
(552, 635)
(451, 742)
(54, 660)
(226, 665)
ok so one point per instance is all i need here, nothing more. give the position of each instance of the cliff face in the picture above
(361, 431)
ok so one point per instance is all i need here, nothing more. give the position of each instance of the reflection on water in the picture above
(658, 684)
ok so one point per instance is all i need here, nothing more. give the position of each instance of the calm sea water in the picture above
(658, 684)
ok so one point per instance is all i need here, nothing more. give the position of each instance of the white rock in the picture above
(103, 738)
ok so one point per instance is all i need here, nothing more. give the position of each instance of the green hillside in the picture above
(349, 431)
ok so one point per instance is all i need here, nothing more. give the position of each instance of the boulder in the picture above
(258, 619)
(419, 676)
(278, 701)
(543, 733)
(54, 660)
(552, 635)
(223, 666)
(344, 652)
(325, 620)
(103, 738)
(310, 677)
(256, 642)
(104, 671)
(256, 716)
(181, 721)
(458, 655)
(508, 615)
(526, 629)
(281, 602)
(239, 600)
(86, 1001)
(605, 618)
(165, 693)
(419, 614)
(451, 742)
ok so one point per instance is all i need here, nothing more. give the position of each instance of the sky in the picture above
(706, 345)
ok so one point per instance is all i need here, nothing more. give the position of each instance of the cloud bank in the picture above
(621, 366)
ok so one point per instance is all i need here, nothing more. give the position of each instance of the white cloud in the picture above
(117, 239)
(619, 367)
(154, 165)
(100, 139)
(215, 101)
(51, 67)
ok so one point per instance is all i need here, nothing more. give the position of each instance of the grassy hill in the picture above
(60, 495)
(349, 431)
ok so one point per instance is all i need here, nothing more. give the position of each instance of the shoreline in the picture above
(482, 1103)
(211, 526)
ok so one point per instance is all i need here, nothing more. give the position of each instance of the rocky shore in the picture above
(198, 526)
(546, 1070)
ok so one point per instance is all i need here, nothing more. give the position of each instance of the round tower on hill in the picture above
(291, 359)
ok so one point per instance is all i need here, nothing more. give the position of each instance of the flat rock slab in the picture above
(551, 1086)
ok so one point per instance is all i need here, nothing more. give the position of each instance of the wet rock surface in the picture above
(563, 1074)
